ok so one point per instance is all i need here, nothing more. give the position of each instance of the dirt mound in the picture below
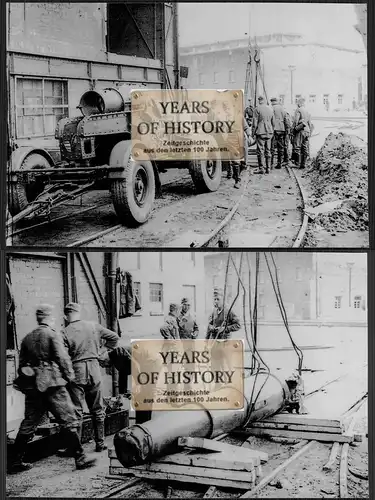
(339, 172)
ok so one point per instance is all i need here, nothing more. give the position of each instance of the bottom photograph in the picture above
(187, 374)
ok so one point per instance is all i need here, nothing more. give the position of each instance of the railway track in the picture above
(259, 214)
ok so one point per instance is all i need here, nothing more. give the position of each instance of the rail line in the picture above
(216, 236)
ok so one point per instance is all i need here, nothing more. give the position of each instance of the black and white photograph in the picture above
(72, 431)
(71, 178)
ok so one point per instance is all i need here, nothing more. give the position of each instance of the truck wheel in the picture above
(206, 174)
(21, 193)
(133, 196)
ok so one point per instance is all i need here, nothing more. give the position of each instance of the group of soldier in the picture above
(58, 372)
(273, 129)
(180, 324)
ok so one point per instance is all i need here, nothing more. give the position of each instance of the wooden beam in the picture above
(323, 437)
(344, 471)
(332, 456)
(211, 492)
(301, 420)
(208, 444)
(284, 465)
(183, 478)
(298, 427)
(216, 460)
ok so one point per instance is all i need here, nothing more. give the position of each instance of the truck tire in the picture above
(133, 196)
(206, 174)
(21, 194)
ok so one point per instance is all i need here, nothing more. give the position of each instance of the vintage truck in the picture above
(95, 153)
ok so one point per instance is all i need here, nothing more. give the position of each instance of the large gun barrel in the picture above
(138, 444)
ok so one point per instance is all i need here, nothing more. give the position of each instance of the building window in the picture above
(338, 302)
(190, 293)
(40, 104)
(261, 312)
(261, 300)
(282, 99)
(357, 301)
(156, 298)
(200, 78)
(231, 76)
(298, 96)
(298, 274)
(340, 99)
(312, 98)
(137, 292)
(215, 76)
(192, 257)
(325, 99)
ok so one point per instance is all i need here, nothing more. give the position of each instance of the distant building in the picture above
(161, 278)
(329, 77)
(314, 286)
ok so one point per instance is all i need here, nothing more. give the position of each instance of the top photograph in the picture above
(187, 125)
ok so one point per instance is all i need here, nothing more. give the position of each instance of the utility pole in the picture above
(291, 69)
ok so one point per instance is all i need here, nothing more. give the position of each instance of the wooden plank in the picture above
(344, 471)
(167, 476)
(298, 427)
(274, 473)
(118, 489)
(208, 444)
(332, 457)
(211, 460)
(326, 438)
(284, 418)
(211, 492)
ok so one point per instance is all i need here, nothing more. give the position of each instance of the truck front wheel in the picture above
(133, 196)
(206, 174)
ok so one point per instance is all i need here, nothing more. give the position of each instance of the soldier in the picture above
(45, 369)
(83, 340)
(263, 125)
(302, 129)
(188, 328)
(249, 112)
(169, 330)
(237, 166)
(281, 132)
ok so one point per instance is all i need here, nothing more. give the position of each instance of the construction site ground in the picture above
(270, 213)
(329, 353)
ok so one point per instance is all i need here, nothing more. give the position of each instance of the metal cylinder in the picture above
(138, 444)
(96, 102)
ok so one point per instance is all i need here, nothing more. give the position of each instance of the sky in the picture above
(213, 22)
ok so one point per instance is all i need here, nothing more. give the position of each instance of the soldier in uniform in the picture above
(188, 328)
(83, 341)
(169, 330)
(302, 129)
(45, 369)
(281, 132)
(237, 166)
(263, 126)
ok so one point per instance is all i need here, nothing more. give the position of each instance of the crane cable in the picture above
(276, 288)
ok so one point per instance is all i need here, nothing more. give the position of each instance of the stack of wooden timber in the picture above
(202, 461)
(292, 426)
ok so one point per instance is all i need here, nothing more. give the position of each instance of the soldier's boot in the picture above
(267, 165)
(229, 171)
(295, 158)
(69, 452)
(82, 461)
(99, 436)
(279, 160)
(303, 161)
(17, 464)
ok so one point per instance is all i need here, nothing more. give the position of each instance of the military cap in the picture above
(273, 99)
(72, 307)
(44, 310)
(173, 307)
(218, 292)
(301, 100)
(185, 300)
(260, 98)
